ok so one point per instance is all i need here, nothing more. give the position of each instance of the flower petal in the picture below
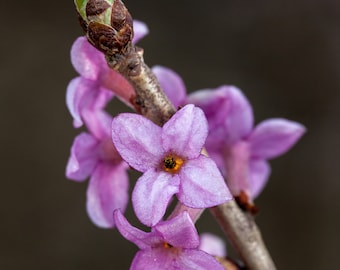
(172, 85)
(134, 235)
(154, 259)
(152, 194)
(107, 191)
(190, 259)
(212, 245)
(138, 140)
(273, 137)
(98, 123)
(185, 132)
(179, 231)
(140, 30)
(229, 113)
(259, 171)
(202, 184)
(83, 157)
(83, 94)
(87, 60)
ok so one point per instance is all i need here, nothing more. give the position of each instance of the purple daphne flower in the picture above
(240, 150)
(171, 160)
(171, 244)
(97, 83)
(94, 155)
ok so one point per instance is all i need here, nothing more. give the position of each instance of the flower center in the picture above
(172, 163)
(167, 245)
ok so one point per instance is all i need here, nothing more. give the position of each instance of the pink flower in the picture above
(171, 160)
(97, 83)
(241, 150)
(93, 155)
(171, 244)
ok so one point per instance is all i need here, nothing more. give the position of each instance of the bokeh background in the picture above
(284, 55)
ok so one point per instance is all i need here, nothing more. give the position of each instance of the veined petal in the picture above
(273, 137)
(179, 231)
(87, 60)
(98, 123)
(202, 184)
(155, 259)
(83, 157)
(225, 107)
(83, 94)
(152, 194)
(191, 259)
(213, 103)
(138, 140)
(239, 115)
(185, 132)
(172, 85)
(134, 235)
(140, 30)
(259, 171)
(107, 191)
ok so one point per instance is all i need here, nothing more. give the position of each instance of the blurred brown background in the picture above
(284, 55)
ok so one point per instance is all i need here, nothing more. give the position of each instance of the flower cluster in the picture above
(172, 159)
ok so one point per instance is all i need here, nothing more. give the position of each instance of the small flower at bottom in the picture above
(171, 160)
(171, 244)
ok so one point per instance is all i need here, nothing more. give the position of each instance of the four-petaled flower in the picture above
(241, 150)
(171, 244)
(93, 154)
(171, 160)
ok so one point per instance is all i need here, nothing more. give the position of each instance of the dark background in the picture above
(284, 55)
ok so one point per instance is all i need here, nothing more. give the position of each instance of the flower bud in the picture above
(107, 23)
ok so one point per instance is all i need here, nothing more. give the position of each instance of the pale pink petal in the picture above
(140, 30)
(191, 259)
(259, 171)
(138, 140)
(185, 133)
(154, 259)
(179, 231)
(142, 239)
(98, 123)
(274, 137)
(239, 115)
(83, 157)
(214, 103)
(152, 194)
(107, 191)
(202, 184)
(212, 245)
(87, 60)
(172, 84)
(83, 94)
(229, 113)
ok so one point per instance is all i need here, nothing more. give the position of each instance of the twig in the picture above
(244, 234)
